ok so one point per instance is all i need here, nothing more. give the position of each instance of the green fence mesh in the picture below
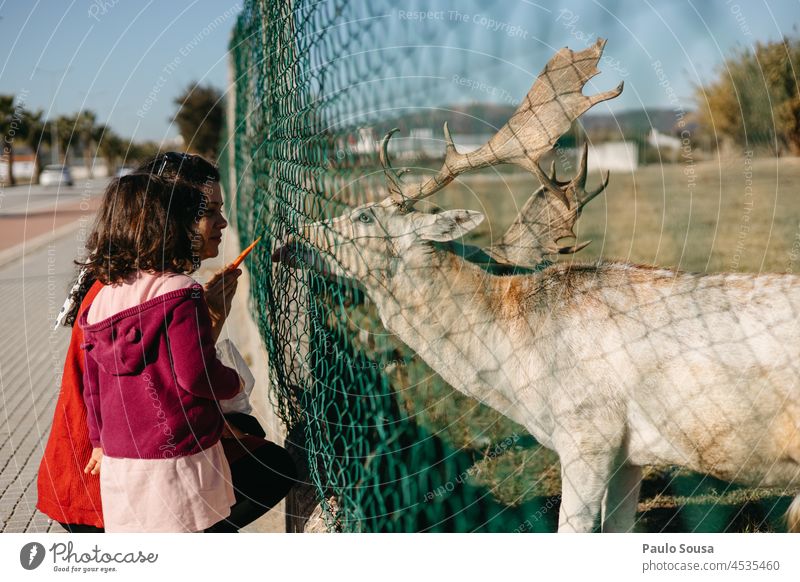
(384, 436)
(312, 84)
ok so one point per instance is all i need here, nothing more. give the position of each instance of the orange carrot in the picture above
(244, 254)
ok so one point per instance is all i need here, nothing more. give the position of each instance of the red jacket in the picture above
(66, 493)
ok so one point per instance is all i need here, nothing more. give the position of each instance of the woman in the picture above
(261, 471)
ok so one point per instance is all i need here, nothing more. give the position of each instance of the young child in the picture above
(152, 380)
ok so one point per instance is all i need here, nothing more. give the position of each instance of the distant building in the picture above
(80, 171)
(424, 142)
(663, 141)
(617, 156)
(24, 167)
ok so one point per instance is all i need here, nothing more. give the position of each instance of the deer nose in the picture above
(295, 233)
(295, 237)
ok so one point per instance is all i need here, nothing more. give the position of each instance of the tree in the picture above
(111, 147)
(199, 118)
(84, 128)
(38, 134)
(13, 126)
(754, 99)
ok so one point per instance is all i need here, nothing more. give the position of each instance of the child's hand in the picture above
(93, 466)
(220, 290)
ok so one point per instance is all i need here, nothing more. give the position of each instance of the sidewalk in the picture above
(28, 212)
(31, 359)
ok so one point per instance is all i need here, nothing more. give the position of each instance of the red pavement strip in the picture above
(35, 226)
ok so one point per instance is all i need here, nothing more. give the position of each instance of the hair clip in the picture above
(175, 157)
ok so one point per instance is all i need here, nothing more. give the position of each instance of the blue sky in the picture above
(661, 49)
(128, 59)
(109, 56)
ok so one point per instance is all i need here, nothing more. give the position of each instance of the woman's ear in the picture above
(447, 225)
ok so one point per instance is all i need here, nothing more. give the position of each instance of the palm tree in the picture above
(109, 145)
(12, 126)
(39, 133)
(84, 128)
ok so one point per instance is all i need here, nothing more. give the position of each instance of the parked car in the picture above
(55, 175)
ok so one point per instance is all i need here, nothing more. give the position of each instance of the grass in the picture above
(725, 215)
(654, 216)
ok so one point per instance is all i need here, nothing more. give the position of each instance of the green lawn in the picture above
(656, 216)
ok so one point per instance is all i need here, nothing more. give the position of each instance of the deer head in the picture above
(368, 242)
(364, 242)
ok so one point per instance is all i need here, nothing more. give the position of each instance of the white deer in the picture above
(613, 366)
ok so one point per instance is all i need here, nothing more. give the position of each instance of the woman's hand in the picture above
(93, 466)
(220, 290)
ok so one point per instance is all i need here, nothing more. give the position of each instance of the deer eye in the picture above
(364, 217)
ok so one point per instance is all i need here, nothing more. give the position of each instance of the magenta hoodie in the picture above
(152, 378)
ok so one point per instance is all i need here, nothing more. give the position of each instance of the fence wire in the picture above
(394, 446)
(307, 78)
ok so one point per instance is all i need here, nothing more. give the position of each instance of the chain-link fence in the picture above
(389, 445)
(385, 437)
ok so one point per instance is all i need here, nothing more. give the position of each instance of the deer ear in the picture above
(448, 225)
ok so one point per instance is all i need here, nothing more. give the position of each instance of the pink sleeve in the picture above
(194, 358)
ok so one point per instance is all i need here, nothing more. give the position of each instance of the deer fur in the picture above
(612, 366)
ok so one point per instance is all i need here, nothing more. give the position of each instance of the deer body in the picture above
(612, 366)
(616, 366)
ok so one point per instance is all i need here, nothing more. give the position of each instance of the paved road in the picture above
(33, 288)
(31, 359)
(30, 213)
(24, 199)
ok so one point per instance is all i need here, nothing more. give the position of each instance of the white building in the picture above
(24, 167)
(616, 156)
(663, 141)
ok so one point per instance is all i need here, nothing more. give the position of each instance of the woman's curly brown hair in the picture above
(147, 221)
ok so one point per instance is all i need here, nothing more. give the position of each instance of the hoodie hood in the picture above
(127, 342)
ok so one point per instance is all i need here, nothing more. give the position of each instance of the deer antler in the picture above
(554, 101)
(548, 216)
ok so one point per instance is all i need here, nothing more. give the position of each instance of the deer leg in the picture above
(584, 479)
(621, 499)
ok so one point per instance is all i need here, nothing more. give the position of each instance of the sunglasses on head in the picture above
(177, 157)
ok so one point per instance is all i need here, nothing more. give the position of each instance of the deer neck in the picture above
(444, 308)
(427, 290)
